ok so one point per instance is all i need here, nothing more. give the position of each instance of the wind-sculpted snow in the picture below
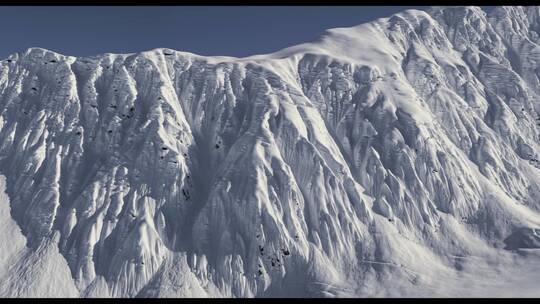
(387, 153)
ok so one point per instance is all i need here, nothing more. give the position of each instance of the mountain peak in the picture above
(364, 163)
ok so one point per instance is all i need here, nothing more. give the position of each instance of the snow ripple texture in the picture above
(395, 153)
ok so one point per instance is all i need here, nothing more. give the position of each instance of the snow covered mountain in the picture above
(395, 158)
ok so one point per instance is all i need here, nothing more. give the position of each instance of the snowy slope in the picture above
(41, 272)
(394, 158)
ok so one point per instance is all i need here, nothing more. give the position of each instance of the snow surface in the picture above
(394, 158)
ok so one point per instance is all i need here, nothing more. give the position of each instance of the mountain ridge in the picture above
(391, 153)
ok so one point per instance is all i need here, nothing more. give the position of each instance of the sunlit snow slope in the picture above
(394, 158)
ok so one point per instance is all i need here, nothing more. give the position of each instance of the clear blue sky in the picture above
(206, 30)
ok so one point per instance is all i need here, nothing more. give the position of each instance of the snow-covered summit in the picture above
(401, 152)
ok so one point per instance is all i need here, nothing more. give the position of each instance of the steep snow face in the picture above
(397, 152)
(25, 272)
